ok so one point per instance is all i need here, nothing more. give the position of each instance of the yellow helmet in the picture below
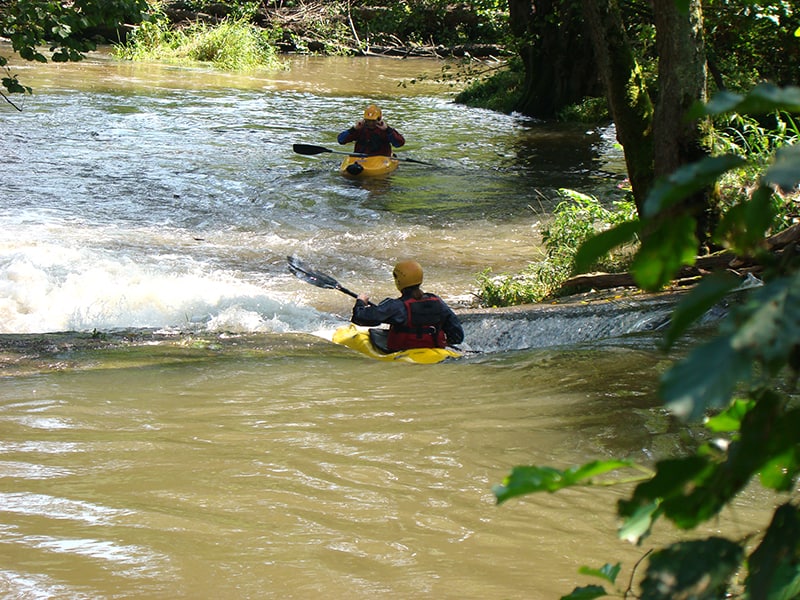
(407, 273)
(373, 113)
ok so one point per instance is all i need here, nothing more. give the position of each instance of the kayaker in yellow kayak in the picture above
(372, 134)
(416, 319)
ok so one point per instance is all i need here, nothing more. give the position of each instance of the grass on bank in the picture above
(575, 219)
(231, 45)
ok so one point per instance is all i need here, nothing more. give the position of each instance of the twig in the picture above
(633, 572)
(7, 99)
(352, 25)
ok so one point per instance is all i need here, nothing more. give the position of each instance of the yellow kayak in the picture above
(368, 166)
(358, 339)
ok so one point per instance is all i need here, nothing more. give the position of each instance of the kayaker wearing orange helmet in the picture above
(416, 319)
(372, 135)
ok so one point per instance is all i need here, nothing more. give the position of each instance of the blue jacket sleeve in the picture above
(452, 326)
(396, 139)
(391, 311)
(344, 137)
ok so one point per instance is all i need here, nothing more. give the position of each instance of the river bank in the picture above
(456, 29)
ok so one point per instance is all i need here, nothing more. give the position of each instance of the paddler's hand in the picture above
(364, 298)
(359, 124)
(381, 125)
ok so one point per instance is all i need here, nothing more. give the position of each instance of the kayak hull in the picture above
(368, 166)
(358, 340)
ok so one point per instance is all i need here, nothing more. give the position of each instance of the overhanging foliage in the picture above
(738, 374)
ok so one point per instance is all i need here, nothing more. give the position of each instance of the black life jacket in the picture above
(423, 326)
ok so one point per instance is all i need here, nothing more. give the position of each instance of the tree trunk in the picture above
(559, 66)
(682, 79)
(626, 91)
(681, 82)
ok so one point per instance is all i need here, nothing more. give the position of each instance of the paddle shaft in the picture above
(310, 150)
(346, 291)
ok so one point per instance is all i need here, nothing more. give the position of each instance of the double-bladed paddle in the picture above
(302, 271)
(309, 150)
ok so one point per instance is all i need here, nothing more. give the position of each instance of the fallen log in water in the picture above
(784, 241)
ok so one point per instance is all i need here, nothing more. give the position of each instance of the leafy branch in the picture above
(737, 374)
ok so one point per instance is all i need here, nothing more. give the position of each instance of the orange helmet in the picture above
(373, 113)
(407, 273)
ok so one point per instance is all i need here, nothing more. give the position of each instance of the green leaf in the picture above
(607, 572)
(745, 225)
(731, 418)
(687, 180)
(762, 99)
(588, 592)
(672, 477)
(768, 325)
(15, 87)
(664, 251)
(774, 572)
(61, 30)
(700, 569)
(700, 299)
(32, 55)
(705, 379)
(529, 479)
(694, 489)
(601, 244)
(760, 214)
(785, 171)
(779, 471)
(722, 102)
(767, 444)
(639, 523)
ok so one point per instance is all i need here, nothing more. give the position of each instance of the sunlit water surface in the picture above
(251, 458)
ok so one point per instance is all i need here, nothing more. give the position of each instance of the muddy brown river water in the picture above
(221, 447)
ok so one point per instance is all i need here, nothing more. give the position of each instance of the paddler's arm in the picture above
(351, 134)
(452, 327)
(369, 315)
(396, 139)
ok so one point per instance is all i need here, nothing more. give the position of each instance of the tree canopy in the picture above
(68, 29)
(652, 61)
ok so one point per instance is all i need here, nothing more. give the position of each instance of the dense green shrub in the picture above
(575, 219)
(230, 45)
(493, 89)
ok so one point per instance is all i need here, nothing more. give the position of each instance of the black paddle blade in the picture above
(300, 270)
(309, 150)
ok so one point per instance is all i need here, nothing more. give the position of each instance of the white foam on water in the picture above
(47, 288)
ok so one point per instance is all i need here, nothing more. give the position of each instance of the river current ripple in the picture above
(174, 422)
